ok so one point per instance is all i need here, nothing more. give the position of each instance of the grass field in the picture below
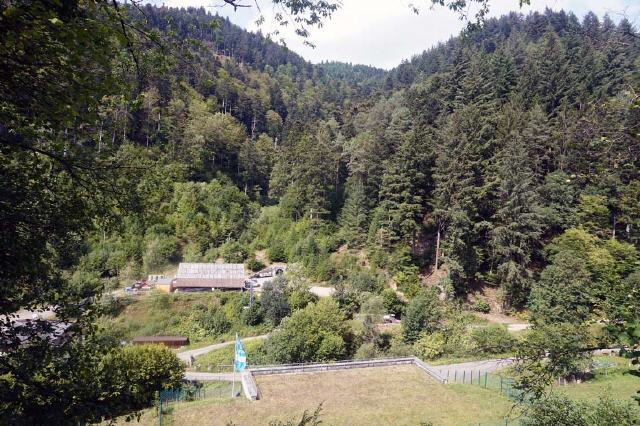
(401, 395)
(616, 381)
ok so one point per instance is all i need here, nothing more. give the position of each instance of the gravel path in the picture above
(484, 366)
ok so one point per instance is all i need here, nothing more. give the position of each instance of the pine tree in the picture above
(354, 215)
(518, 222)
(459, 193)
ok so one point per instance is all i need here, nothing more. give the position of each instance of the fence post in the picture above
(485, 379)
(455, 376)
(464, 373)
(479, 378)
(500, 384)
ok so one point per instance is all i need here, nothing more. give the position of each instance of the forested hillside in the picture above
(497, 142)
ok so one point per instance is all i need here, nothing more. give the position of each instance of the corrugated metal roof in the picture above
(210, 271)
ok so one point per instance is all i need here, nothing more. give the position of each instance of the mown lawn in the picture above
(400, 395)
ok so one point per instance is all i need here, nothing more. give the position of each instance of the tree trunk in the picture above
(437, 247)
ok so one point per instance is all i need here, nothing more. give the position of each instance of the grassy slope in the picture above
(157, 313)
(617, 382)
(401, 395)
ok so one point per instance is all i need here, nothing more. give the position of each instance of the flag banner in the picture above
(241, 356)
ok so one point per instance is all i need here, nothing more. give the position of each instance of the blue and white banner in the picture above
(241, 356)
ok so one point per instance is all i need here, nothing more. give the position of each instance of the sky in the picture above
(382, 33)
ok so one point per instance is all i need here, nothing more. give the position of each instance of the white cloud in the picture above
(382, 33)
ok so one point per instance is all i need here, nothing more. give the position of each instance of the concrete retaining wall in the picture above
(249, 386)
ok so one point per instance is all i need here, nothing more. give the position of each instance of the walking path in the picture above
(186, 355)
(484, 366)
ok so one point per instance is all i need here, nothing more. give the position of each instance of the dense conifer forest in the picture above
(507, 158)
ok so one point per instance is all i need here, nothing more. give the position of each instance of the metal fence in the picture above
(168, 397)
(503, 385)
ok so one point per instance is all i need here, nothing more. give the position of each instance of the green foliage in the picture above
(408, 282)
(392, 303)
(561, 410)
(423, 314)
(562, 295)
(315, 333)
(481, 305)
(254, 264)
(274, 300)
(547, 353)
(493, 339)
(233, 252)
(140, 371)
(430, 346)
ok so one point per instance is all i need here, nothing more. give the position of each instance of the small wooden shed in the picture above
(170, 341)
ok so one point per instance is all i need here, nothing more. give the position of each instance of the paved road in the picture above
(484, 366)
(186, 355)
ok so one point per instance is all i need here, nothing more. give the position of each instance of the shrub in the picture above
(408, 282)
(254, 315)
(392, 303)
(315, 333)
(137, 372)
(374, 306)
(560, 410)
(430, 346)
(277, 252)
(366, 351)
(300, 298)
(274, 300)
(365, 281)
(160, 251)
(233, 252)
(214, 321)
(254, 264)
(423, 314)
(493, 339)
(481, 305)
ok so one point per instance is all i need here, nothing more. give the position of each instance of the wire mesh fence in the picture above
(192, 392)
(503, 385)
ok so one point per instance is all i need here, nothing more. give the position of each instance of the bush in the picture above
(300, 298)
(274, 300)
(137, 372)
(493, 339)
(374, 306)
(277, 252)
(365, 281)
(160, 251)
(315, 333)
(423, 314)
(481, 305)
(430, 346)
(233, 252)
(366, 351)
(214, 321)
(392, 303)
(408, 282)
(560, 410)
(254, 265)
